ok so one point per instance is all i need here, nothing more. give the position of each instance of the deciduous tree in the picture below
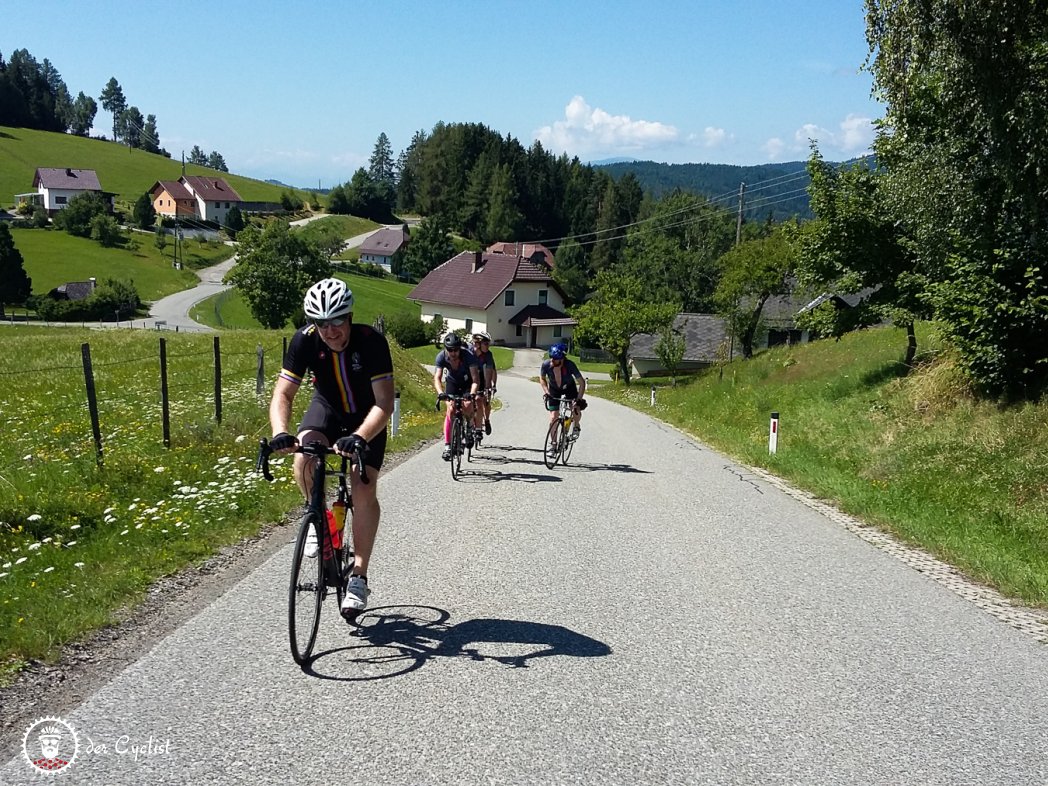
(275, 267)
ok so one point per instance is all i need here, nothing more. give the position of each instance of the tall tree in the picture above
(15, 285)
(620, 309)
(144, 212)
(197, 156)
(430, 246)
(407, 173)
(150, 138)
(215, 161)
(572, 271)
(752, 272)
(83, 115)
(381, 164)
(275, 267)
(130, 126)
(503, 220)
(963, 146)
(112, 100)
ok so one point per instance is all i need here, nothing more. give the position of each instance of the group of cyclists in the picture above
(468, 372)
(353, 396)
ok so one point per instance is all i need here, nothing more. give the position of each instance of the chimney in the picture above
(69, 172)
(478, 262)
(92, 282)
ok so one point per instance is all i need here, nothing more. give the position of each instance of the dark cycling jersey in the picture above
(567, 388)
(457, 381)
(343, 379)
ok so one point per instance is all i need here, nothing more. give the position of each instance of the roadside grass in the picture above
(346, 226)
(371, 297)
(53, 257)
(81, 543)
(126, 172)
(915, 454)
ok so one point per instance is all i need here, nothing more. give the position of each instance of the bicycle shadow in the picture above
(396, 640)
(606, 468)
(478, 475)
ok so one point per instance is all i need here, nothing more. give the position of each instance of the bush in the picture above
(110, 298)
(409, 331)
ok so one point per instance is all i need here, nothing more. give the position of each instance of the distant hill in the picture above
(125, 171)
(775, 189)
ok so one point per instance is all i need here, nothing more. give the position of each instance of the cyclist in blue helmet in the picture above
(561, 378)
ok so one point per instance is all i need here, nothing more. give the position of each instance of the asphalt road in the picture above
(650, 614)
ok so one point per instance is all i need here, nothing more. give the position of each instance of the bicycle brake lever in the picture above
(362, 467)
(262, 464)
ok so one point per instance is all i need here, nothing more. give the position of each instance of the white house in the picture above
(511, 297)
(380, 246)
(56, 186)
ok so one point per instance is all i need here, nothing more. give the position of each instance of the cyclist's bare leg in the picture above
(304, 463)
(366, 512)
(449, 408)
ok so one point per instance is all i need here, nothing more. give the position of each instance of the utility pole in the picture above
(738, 223)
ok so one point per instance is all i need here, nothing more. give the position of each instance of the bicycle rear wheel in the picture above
(456, 448)
(551, 452)
(566, 444)
(305, 595)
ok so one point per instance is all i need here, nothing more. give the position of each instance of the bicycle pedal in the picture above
(350, 615)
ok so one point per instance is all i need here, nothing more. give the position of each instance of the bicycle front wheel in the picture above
(566, 444)
(551, 452)
(305, 595)
(456, 448)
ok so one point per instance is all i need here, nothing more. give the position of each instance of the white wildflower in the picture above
(20, 560)
(125, 532)
(48, 570)
(35, 517)
(71, 543)
(34, 546)
(132, 506)
(158, 470)
(240, 439)
(4, 574)
(107, 511)
(75, 526)
(78, 564)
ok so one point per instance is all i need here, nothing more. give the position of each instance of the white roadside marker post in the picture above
(773, 434)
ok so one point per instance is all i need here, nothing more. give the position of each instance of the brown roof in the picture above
(539, 316)
(461, 281)
(212, 189)
(386, 242)
(527, 250)
(172, 187)
(73, 179)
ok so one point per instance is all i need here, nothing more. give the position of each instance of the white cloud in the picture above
(586, 129)
(714, 137)
(855, 135)
(774, 147)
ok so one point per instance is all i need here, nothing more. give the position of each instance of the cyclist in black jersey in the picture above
(352, 403)
(455, 374)
(488, 377)
(561, 378)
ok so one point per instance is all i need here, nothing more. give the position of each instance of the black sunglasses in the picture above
(325, 323)
(453, 349)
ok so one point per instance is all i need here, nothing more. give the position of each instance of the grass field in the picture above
(52, 257)
(345, 226)
(916, 455)
(426, 355)
(80, 541)
(126, 172)
(372, 296)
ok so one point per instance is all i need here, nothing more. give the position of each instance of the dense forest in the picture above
(775, 191)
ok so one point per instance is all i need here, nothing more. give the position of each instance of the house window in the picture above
(510, 299)
(520, 330)
(469, 325)
(558, 331)
(60, 200)
(218, 204)
(543, 296)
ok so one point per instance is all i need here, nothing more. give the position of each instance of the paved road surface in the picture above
(650, 614)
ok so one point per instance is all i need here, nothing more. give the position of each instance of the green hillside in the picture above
(122, 170)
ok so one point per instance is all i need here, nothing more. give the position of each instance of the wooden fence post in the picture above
(260, 376)
(165, 406)
(218, 383)
(92, 400)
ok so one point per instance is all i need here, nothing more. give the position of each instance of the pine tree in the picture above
(15, 285)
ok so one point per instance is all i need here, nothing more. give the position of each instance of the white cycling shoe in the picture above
(311, 544)
(356, 598)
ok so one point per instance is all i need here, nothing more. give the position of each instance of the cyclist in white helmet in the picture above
(488, 377)
(352, 403)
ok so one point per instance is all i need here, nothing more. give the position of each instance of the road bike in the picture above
(560, 436)
(459, 443)
(313, 578)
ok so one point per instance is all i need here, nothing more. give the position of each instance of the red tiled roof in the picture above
(460, 282)
(172, 187)
(72, 179)
(386, 242)
(212, 189)
(522, 250)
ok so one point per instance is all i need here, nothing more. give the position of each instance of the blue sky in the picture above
(299, 92)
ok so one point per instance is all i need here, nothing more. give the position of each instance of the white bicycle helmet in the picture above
(481, 335)
(328, 299)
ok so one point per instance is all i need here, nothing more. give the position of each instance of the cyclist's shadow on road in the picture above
(393, 640)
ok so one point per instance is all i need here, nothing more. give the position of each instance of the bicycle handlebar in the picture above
(456, 399)
(317, 450)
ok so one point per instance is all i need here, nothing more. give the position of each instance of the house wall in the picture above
(645, 368)
(456, 316)
(56, 199)
(166, 205)
(377, 259)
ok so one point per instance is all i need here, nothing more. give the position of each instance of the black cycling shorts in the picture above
(321, 416)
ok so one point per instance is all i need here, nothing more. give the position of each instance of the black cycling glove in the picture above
(282, 441)
(351, 444)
